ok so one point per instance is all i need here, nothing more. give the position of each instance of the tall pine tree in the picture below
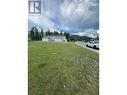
(36, 33)
(42, 33)
(32, 36)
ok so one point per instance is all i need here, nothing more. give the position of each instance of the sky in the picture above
(73, 16)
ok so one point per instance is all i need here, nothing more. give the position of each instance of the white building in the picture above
(54, 39)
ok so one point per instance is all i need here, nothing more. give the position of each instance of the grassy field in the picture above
(62, 69)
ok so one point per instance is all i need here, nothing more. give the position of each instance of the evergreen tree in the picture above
(42, 33)
(57, 33)
(54, 32)
(48, 32)
(67, 35)
(61, 32)
(36, 33)
(32, 36)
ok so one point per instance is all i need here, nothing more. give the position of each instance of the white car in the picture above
(93, 44)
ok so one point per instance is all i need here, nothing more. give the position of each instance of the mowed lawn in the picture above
(62, 69)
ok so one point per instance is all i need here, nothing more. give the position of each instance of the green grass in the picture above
(62, 69)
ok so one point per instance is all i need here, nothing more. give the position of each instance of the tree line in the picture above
(82, 38)
(35, 35)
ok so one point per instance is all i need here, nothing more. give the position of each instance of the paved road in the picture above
(83, 44)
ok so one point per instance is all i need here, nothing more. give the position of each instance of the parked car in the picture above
(93, 44)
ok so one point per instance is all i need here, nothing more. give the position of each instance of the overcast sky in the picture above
(68, 15)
